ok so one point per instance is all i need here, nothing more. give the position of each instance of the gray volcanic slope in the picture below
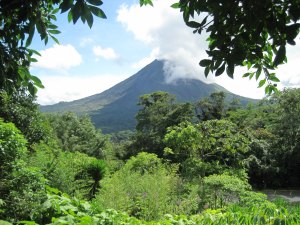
(115, 109)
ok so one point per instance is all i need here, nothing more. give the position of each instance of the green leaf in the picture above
(176, 5)
(89, 17)
(32, 89)
(206, 71)
(205, 62)
(193, 24)
(54, 39)
(53, 17)
(268, 90)
(52, 26)
(66, 5)
(292, 31)
(146, 2)
(95, 2)
(33, 60)
(37, 81)
(291, 42)
(220, 70)
(46, 40)
(246, 75)
(203, 21)
(217, 64)
(54, 31)
(262, 83)
(249, 65)
(31, 33)
(34, 51)
(23, 72)
(273, 78)
(83, 19)
(76, 12)
(258, 72)
(55, 11)
(280, 56)
(70, 17)
(230, 70)
(97, 12)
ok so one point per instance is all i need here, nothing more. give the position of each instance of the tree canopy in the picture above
(241, 33)
(19, 20)
(244, 33)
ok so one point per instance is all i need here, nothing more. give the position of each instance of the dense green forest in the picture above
(200, 163)
(186, 163)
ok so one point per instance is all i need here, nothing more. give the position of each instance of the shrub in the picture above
(22, 188)
(143, 188)
(220, 190)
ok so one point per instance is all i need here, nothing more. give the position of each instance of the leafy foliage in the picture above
(52, 162)
(20, 109)
(219, 190)
(286, 127)
(21, 187)
(159, 112)
(61, 209)
(212, 107)
(79, 134)
(144, 188)
(216, 141)
(12, 145)
(272, 127)
(202, 175)
(244, 33)
(91, 175)
(19, 21)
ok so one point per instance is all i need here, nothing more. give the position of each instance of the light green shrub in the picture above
(22, 188)
(144, 188)
(221, 190)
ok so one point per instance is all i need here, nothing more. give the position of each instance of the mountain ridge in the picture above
(115, 108)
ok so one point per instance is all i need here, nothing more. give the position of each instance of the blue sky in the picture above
(88, 61)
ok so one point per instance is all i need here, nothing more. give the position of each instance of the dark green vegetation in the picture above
(244, 33)
(104, 108)
(184, 164)
(19, 20)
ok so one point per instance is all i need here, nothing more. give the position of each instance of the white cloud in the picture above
(162, 28)
(68, 88)
(289, 73)
(142, 21)
(58, 57)
(145, 61)
(106, 53)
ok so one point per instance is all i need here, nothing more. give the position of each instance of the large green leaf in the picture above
(280, 56)
(66, 5)
(220, 70)
(97, 12)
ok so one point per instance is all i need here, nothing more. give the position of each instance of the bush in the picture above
(143, 188)
(12, 147)
(221, 190)
(22, 188)
(52, 163)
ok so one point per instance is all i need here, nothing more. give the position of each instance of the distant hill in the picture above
(115, 109)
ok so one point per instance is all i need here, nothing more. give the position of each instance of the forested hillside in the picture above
(184, 164)
(115, 109)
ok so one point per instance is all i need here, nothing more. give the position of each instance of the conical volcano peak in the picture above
(115, 109)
